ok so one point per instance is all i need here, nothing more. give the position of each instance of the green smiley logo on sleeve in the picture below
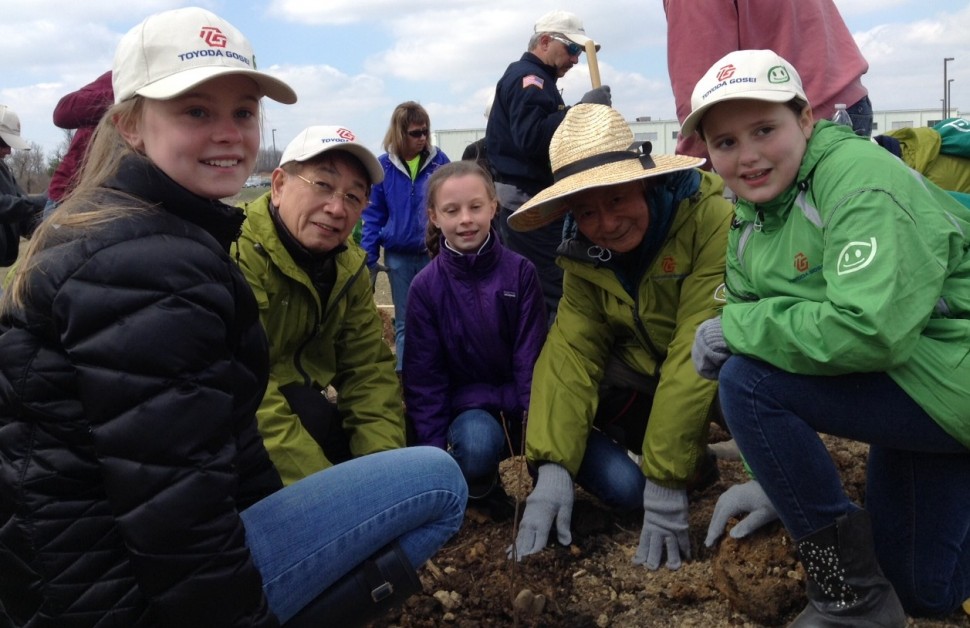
(856, 256)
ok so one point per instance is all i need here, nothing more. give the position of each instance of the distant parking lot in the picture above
(256, 181)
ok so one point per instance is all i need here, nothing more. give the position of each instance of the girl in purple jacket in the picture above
(475, 324)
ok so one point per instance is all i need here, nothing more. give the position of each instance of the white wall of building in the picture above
(663, 133)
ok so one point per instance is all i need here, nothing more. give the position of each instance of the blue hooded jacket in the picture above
(397, 216)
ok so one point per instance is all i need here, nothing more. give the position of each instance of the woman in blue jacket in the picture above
(395, 220)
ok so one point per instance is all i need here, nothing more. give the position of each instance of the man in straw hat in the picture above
(526, 111)
(18, 211)
(614, 381)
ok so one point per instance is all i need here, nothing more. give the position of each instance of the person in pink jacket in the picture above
(808, 33)
(80, 110)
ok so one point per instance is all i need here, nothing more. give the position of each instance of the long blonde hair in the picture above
(81, 210)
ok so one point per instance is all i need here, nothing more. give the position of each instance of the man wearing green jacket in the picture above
(614, 380)
(318, 309)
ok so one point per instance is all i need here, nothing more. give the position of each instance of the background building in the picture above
(663, 133)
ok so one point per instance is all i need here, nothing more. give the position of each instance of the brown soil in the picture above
(753, 582)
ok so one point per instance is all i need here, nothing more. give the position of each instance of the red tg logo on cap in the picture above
(213, 36)
(726, 72)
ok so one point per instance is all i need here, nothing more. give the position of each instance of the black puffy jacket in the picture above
(19, 213)
(128, 441)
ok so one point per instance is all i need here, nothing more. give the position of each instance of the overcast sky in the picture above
(352, 61)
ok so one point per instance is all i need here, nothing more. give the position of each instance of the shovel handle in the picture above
(594, 68)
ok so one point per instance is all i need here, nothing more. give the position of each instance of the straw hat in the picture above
(593, 147)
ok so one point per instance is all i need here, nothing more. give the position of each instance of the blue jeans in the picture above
(307, 535)
(608, 472)
(478, 442)
(401, 269)
(918, 476)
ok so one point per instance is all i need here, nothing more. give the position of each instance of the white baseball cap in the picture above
(750, 74)
(314, 140)
(171, 52)
(564, 23)
(10, 129)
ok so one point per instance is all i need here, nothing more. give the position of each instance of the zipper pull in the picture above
(759, 220)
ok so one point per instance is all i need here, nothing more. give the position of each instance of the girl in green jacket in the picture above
(848, 314)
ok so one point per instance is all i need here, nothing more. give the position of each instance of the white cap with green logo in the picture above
(744, 74)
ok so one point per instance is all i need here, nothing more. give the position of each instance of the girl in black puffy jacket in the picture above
(132, 361)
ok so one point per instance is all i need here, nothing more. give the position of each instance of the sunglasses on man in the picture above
(416, 133)
(572, 47)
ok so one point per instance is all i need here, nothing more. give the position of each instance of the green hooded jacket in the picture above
(862, 265)
(341, 347)
(599, 320)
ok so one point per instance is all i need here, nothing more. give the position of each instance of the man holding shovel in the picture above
(526, 112)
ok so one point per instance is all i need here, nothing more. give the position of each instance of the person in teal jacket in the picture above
(940, 153)
(848, 314)
(616, 404)
(316, 305)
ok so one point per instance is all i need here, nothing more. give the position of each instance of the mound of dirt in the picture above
(752, 582)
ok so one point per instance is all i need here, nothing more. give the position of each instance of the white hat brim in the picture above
(580, 39)
(177, 84)
(363, 155)
(14, 141)
(692, 121)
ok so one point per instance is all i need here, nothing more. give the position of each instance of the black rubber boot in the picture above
(487, 496)
(382, 582)
(846, 586)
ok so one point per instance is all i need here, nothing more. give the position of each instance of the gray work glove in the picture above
(376, 268)
(741, 498)
(664, 527)
(709, 351)
(598, 96)
(551, 499)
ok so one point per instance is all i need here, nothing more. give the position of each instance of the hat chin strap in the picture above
(600, 253)
(636, 150)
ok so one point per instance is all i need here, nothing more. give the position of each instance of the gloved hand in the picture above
(741, 498)
(598, 96)
(664, 526)
(709, 351)
(376, 268)
(551, 499)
